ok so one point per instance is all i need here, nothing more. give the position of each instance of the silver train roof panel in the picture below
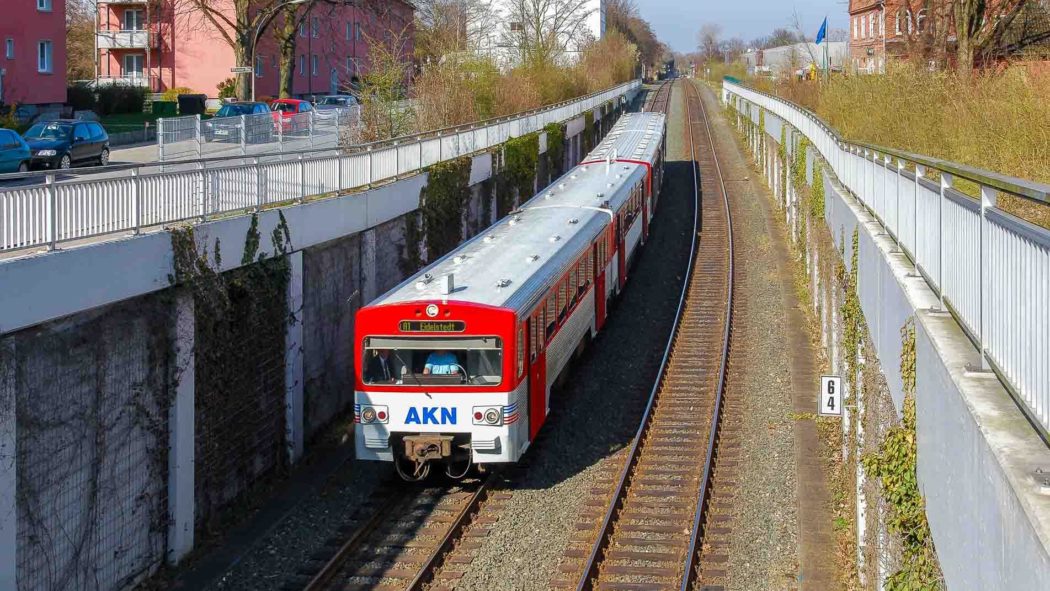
(636, 136)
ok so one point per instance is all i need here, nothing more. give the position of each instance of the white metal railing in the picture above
(126, 39)
(179, 138)
(56, 210)
(990, 269)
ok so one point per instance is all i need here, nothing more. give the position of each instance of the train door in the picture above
(537, 406)
(598, 258)
(646, 208)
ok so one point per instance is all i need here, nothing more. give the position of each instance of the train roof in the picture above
(636, 136)
(513, 262)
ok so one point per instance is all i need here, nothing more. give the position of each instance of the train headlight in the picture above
(374, 414)
(488, 415)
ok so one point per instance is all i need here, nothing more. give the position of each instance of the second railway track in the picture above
(652, 532)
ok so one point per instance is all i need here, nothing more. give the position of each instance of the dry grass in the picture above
(999, 121)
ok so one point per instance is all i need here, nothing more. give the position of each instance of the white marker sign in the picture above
(829, 403)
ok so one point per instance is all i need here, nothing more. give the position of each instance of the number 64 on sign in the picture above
(829, 399)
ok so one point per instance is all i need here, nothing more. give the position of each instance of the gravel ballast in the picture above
(598, 410)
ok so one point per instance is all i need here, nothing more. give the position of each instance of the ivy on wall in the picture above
(555, 149)
(521, 158)
(798, 166)
(816, 193)
(240, 323)
(852, 315)
(588, 131)
(441, 206)
(894, 466)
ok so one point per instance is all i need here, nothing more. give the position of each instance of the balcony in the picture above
(127, 39)
(142, 81)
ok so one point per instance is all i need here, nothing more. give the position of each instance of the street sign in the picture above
(829, 399)
(241, 69)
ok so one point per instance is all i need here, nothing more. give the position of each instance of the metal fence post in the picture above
(160, 139)
(244, 135)
(52, 212)
(256, 174)
(920, 171)
(302, 179)
(946, 183)
(279, 124)
(989, 199)
(202, 204)
(136, 200)
(310, 122)
(199, 136)
(897, 192)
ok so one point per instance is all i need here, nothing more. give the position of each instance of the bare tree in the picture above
(708, 39)
(444, 27)
(541, 31)
(623, 16)
(385, 113)
(992, 29)
(80, 39)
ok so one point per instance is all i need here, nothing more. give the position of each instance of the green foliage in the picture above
(442, 203)
(894, 467)
(227, 88)
(172, 94)
(520, 163)
(588, 131)
(120, 98)
(798, 166)
(852, 315)
(81, 97)
(8, 120)
(816, 193)
(555, 148)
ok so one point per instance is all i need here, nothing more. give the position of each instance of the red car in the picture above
(291, 114)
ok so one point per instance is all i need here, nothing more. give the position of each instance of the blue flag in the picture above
(823, 31)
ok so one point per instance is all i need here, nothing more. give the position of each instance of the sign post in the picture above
(829, 399)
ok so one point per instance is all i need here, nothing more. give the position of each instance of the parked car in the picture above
(225, 126)
(337, 101)
(14, 152)
(63, 143)
(285, 113)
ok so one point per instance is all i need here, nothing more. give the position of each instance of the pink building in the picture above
(33, 52)
(160, 44)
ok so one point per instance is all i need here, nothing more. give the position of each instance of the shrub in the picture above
(120, 98)
(81, 97)
(227, 88)
(172, 94)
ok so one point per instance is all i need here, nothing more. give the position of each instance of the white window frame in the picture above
(856, 28)
(48, 65)
(349, 31)
(302, 28)
(302, 64)
(124, 65)
(9, 48)
(44, 5)
(357, 30)
(313, 65)
(260, 65)
(140, 21)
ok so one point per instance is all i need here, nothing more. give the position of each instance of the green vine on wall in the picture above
(816, 193)
(798, 166)
(588, 131)
(852, 315)
(894, 466)
(441, 206)
(555, 148)
(240, 323)
(521, 158)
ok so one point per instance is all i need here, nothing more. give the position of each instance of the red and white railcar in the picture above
(456, 364)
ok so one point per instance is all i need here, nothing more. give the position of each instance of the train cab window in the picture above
(433, 361)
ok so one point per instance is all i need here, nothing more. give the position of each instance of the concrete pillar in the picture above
(368, 264)
(8, 468)
(293, 360)
(181, 434)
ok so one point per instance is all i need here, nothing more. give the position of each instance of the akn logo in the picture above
(430, 416)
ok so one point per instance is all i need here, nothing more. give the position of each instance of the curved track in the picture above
(654, 526)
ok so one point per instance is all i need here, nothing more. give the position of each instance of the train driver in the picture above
(441, 362)
(380, 368)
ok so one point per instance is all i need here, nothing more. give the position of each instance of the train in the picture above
(457, 363)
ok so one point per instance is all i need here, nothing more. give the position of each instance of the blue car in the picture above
(14, 152)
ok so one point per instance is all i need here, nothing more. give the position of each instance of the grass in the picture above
(998, 120)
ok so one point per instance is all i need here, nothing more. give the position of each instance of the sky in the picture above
(677, 22)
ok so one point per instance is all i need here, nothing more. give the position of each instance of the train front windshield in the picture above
(433, 361)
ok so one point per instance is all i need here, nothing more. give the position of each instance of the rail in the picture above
(989, 268)
(126, 200)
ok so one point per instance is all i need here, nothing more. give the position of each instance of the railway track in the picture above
(658, 101)
(652, 532)
(406, 541)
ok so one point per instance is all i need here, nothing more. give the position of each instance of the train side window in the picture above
(574, 281)
(551, 316)
(562, 300)
(521, 348)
